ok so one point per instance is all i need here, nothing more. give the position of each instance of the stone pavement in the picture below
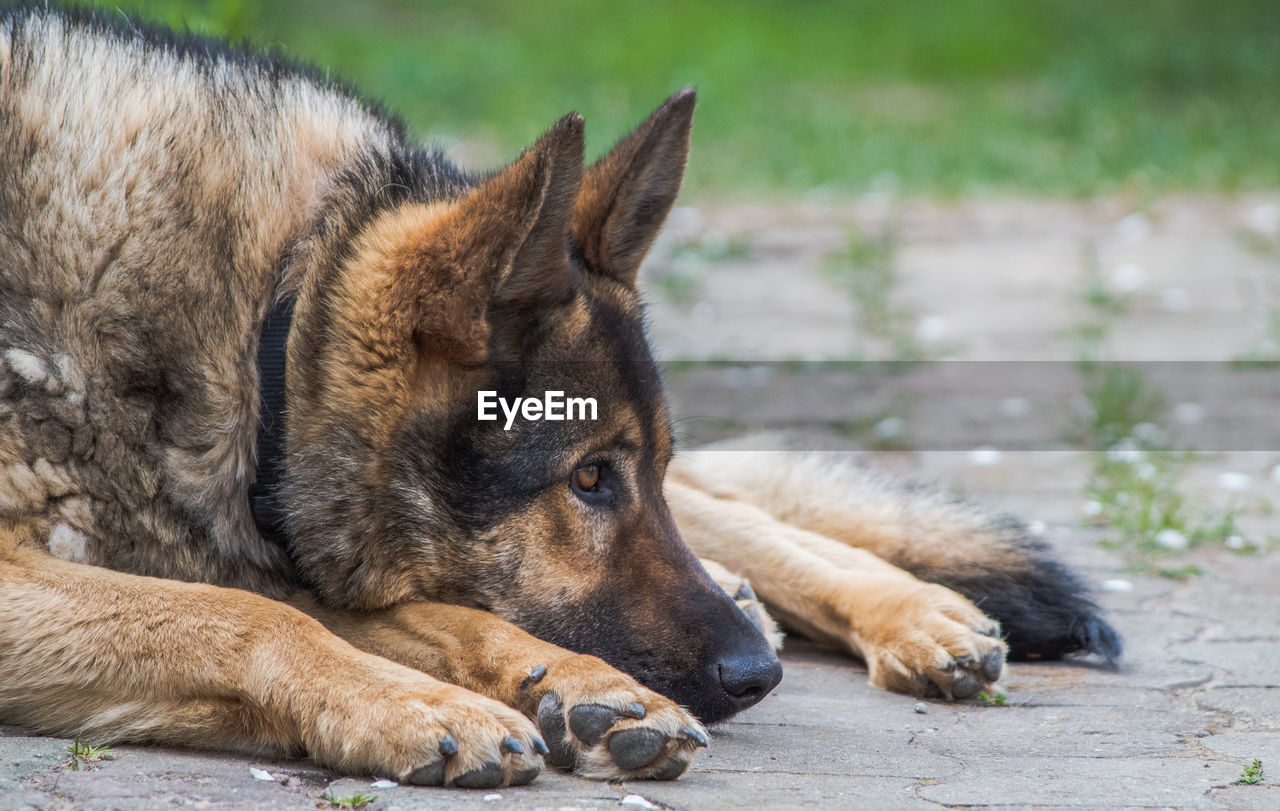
(1197, 696)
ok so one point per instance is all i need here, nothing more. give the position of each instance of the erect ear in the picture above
(627, 194)
(438, 269)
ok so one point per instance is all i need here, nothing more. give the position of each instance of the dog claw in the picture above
(671, 771)
(635, 710)
(487, 776)
(511, 746)
(745, 592)
(993, 665)
(636, 748)
(589, 722)
(448, 746)
(696, 735)
(430, 775)
(524, 776)
(534, 677)
(965, 685)
(540, 746)
(551, 723)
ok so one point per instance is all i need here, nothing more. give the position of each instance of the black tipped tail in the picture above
(1044, 608)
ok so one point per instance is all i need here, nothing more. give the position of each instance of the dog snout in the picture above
(748, 676)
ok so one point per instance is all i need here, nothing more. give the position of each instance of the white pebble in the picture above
(921, 708)
(1117, 585)
(384, 784)
(638, 801)
(1188, 413)
(1091, 508)
(889, 427)
(1013, 407)
(1175, 300)
(1265, 218)
(1135, 228)
(492, 797)
(259, 774)
(1149, 433)
(1234, 482)
(931, 329)
(1125, 451)
(1128, 278)
(1171, 539)
(1037, 529)
(984, 456)
(1235, 542)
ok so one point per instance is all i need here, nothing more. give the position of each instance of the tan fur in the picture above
(108, 655)
(478, 651)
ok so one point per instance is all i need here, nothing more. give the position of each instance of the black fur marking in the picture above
(1045, 609)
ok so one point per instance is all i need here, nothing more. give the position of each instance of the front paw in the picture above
(416, 730)
(601, 723)
(933, 641)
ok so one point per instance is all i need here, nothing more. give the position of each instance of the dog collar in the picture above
(263, 496)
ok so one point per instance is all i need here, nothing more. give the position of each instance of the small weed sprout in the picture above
(353, 801)
(993, 699)
(83, 753)
(1252, 773)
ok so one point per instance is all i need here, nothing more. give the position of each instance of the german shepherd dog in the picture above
(245, 499)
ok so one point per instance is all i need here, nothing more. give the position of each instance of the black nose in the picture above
(749, 677)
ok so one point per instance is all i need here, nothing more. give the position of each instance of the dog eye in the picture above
(586, 478)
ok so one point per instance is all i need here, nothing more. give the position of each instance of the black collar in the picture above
(264, 492)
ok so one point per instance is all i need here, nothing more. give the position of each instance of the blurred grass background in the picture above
(943, 97)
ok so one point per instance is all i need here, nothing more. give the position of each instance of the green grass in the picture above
(1071, 96)
(993, 699)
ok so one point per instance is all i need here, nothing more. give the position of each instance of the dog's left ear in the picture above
(627, 194)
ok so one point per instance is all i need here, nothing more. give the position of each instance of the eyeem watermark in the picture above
(553, 406)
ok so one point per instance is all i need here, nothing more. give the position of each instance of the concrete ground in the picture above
(1197, 695)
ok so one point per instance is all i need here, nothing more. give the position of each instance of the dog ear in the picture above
(442, 268)
(627, 194)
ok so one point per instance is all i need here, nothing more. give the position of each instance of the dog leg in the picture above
(1043, 606)
(117, 657)
(915, 637)
(596, 720)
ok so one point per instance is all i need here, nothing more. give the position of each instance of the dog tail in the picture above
(1044, 607)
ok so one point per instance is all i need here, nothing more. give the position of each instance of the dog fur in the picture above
(452, 603)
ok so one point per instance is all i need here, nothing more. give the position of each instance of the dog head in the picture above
(519, 284)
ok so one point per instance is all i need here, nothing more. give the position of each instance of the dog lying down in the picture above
(246, 498)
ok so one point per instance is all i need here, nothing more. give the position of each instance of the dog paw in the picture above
(424, 732)
(601, 723)
(739, 588)
(934, 642)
